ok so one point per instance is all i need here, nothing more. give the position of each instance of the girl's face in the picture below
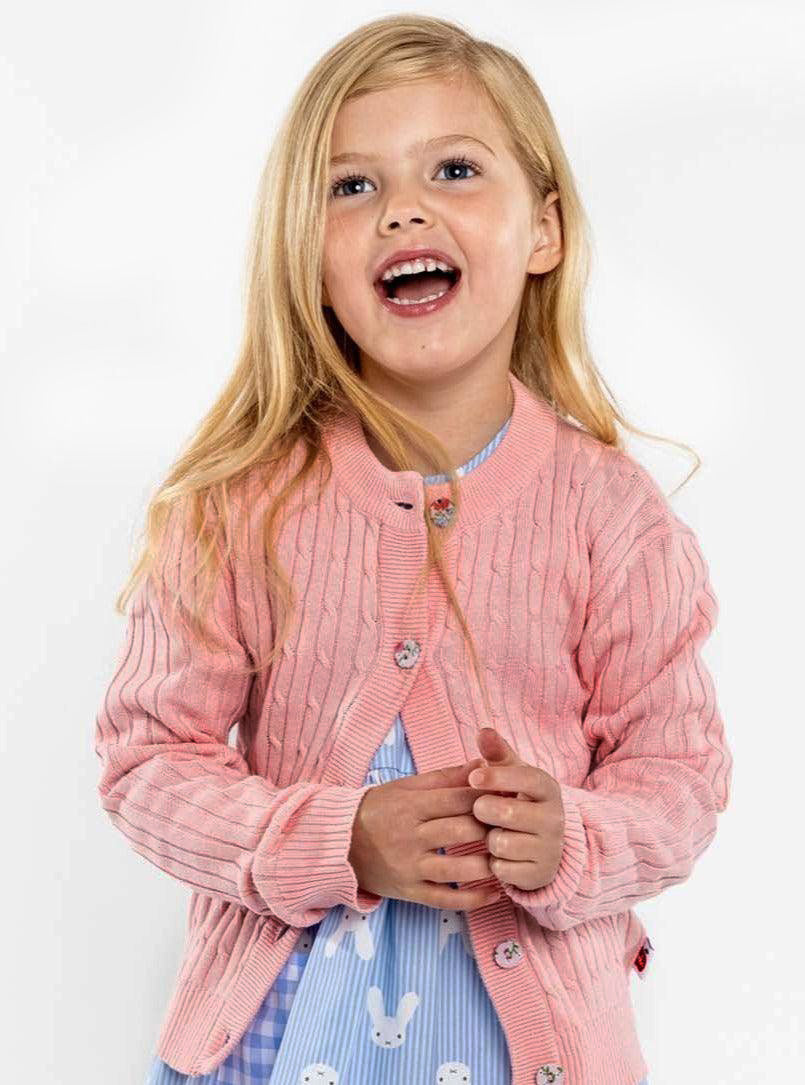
(406, 194)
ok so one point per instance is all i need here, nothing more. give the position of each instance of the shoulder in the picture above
(269, 481)
(625, 519)
(622, 506)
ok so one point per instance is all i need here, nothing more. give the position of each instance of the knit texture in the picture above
(589, 600)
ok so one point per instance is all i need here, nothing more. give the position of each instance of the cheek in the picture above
(352, 302)
(341, 270)
(494, 285)
(344, 271)
(505, 239)
(351, 299)
(346, 284)
(507, 257)
(493, 252)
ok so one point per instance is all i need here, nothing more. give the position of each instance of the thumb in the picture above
(495, 749)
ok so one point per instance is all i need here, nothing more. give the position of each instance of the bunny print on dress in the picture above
(453, 922)
(358, 924)
(390, 1031)
(453, 1073)
(318, 1073)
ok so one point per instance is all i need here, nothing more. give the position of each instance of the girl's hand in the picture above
(398, 829)
(525, 845)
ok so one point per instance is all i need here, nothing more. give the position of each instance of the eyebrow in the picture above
(421, 144)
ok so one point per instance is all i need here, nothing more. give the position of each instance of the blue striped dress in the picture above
(361, 997)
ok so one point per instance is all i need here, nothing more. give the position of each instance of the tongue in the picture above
(421, 286)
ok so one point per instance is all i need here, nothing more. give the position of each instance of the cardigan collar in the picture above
(526, 449)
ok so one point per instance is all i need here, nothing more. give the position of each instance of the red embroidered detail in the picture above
(643, 954)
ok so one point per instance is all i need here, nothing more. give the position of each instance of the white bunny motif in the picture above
(390, 1031)
(453, 1073)
(453, 922)
(358, 924)
(318, 1073)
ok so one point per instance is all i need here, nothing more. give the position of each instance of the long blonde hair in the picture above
(297, 365)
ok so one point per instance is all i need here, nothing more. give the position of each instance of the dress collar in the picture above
(473, 461)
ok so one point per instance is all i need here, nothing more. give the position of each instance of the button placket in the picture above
(508, 954)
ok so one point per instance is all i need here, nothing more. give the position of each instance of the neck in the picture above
(464, 429)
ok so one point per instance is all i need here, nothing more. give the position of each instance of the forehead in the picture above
(386, 122)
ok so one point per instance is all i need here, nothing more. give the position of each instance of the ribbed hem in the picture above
(201, 1027)
(603, 1050)
(192, 1029)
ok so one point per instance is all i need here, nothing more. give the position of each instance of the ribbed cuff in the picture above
(311, 873)
(548, 904)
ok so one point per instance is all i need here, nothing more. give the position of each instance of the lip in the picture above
(402, 255)
(417, 309)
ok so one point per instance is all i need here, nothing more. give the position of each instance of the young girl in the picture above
(475, 728)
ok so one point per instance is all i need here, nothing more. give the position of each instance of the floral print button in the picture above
(550, 1074)
(508, 953)
(442, 511)
(406, 652)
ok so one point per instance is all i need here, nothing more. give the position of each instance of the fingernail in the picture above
(476, 778)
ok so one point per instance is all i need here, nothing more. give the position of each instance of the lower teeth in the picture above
(418, 301)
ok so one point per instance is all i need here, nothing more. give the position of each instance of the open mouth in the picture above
(420, 292)
(420, 285)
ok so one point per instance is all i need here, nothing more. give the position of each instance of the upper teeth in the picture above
(411, 267)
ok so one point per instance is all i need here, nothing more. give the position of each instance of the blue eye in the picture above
(352, 178)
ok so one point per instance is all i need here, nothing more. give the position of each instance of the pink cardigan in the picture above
(589, 600)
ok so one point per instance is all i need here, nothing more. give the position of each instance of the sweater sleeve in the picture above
(661, 766)
(183, 797)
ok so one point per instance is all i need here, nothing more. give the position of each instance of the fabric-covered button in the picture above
(442, 511)
(508, 953)
(550, 1074)
(406, 652)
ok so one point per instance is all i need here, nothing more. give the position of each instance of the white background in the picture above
(132, 140)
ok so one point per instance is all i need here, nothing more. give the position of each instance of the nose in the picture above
(395, 223)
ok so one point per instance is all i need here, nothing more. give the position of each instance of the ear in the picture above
(547, 251)
(405, 1010)
(374, 1004)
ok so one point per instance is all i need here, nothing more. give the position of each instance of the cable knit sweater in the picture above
(589, 600)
